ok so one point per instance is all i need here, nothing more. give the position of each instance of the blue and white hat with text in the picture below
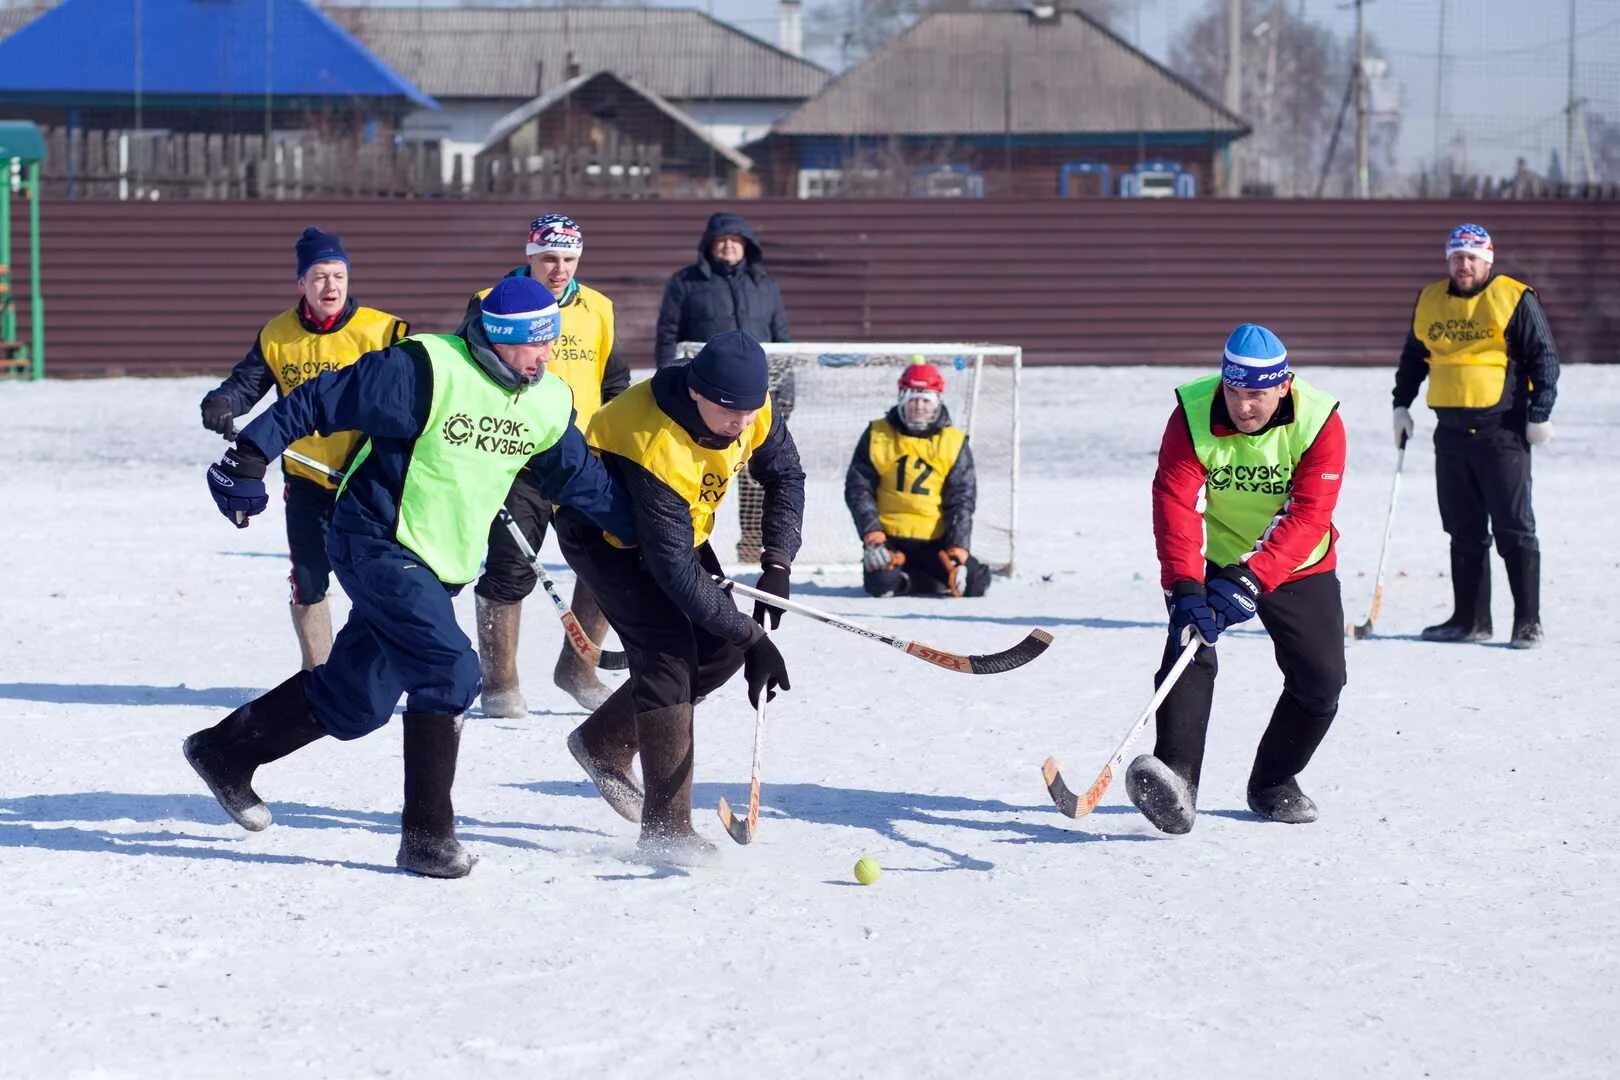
(1474, 240)
(520, 311)
(1254, 359)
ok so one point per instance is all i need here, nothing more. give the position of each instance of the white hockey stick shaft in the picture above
(1383, 550)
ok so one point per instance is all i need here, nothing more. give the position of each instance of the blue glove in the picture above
(1191, 614)
(774, 581)
(237, 484)
(1234, 594)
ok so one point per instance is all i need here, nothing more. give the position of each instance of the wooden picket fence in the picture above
(112, 164)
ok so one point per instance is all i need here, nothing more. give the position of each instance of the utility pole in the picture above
(1234, 86)
(1439, 87)
(1570, 104)
(1363, 188)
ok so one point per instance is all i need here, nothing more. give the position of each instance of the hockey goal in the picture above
(832, 390)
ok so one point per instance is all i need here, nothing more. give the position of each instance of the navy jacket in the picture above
(706, 298)
(664, 519)
(1532, 375)
(387, 394)
(957, 498)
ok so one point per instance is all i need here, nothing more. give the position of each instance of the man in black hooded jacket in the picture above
(728, 288)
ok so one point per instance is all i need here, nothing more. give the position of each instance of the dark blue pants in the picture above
(401, 640)
(309, 514)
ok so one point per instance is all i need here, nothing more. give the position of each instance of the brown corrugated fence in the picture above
(169, 288)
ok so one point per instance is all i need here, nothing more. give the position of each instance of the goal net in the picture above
(830, 392)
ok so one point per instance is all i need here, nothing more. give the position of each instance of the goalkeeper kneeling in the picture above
(911, 490)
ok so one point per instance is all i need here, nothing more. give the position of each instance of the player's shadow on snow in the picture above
(214, 697)
(21, 819)
(887, 813)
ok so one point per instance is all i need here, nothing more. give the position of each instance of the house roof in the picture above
(1009, 72)
(487, 52)
(84, 51)
(521, 115)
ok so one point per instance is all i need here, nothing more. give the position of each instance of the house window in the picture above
(820, 183)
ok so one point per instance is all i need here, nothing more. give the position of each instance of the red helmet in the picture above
(921, 375)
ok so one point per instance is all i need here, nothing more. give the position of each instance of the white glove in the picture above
(1403, 425)
(876, 558)
(1538, 434)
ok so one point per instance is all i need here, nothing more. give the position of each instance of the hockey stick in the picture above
(1079, 806)
(742, 829)
(589, 651)
(1034, 643)
(1362, 630)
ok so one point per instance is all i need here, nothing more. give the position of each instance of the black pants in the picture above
(1306, 621)
(309, 514)
(672, 660)
(922, 574)
(1482, 477)
(508, 576)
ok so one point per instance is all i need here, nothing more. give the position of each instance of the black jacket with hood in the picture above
(707, 297)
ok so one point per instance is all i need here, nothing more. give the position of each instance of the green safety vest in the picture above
(478, 436)
(1248, 478)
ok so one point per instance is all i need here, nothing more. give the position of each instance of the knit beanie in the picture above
(520, 311)
(1254, 359)
(731, 370)
(1472, 239)
(315, 246)
(555, 232)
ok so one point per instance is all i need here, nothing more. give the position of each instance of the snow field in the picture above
(1453, 914)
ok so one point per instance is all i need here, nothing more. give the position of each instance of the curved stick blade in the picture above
(1035, 643)
(739, 829)
(613, 661)
(1062, 797)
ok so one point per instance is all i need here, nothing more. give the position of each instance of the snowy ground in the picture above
(1453, 914)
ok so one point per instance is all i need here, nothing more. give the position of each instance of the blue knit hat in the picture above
(1254, 359)
(520, 311)
(731, 371)
(315, 246)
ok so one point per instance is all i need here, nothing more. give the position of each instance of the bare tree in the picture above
(848, 31)
(1295, 77)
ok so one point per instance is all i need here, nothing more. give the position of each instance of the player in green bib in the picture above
(451, 421)
(1266, 452)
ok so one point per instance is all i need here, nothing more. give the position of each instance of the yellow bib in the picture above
(579, 357)
(296, 355)
(636, 429)
(911, 473)
(1465, 336)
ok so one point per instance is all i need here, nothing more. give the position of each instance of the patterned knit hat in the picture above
(555, 232)
(1254, 359)
(1472, 239)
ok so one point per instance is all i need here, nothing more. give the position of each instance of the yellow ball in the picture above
(867, 871)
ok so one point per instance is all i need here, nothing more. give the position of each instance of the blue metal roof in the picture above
(84, 52)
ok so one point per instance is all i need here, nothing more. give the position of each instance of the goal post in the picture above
(830, 391)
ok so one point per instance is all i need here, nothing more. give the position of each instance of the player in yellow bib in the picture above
(1482, 341)
(911, 490)
(582, 357)
(677, 444)
(325, 331)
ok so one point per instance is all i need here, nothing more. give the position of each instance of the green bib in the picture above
(1248, 478)
(477, 438)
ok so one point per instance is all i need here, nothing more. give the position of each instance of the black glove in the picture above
(1190, 614)
(1234, 595)
(774, 581)
(237, 483)
(217, 412)
(765, 670)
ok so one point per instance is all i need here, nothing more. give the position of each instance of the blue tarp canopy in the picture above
(200, 53)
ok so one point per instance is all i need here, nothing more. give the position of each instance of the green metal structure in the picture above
(22, 152)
